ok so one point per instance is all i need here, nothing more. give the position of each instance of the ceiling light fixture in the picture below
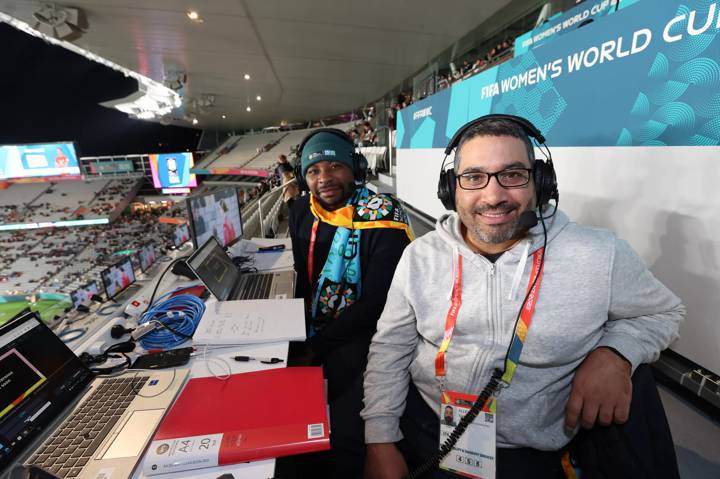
(258, 98)
(149, 102)
(247, 76)
(194, 16)
(224, 117)
(194, 121)
(59, 21)
(248, 109)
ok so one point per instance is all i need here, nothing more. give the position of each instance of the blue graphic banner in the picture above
(648, 75)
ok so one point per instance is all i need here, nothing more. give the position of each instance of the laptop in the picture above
(219, 274)
(119, 280)
(56, 415)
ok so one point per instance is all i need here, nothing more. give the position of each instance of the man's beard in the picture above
(492, 234)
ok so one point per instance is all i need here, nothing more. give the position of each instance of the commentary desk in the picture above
(206, 362)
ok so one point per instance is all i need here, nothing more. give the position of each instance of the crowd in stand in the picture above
(363, 134)
(471, 65)
(101, 205)
(53, 250)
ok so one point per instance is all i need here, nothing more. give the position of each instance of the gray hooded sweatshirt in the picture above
(595, 292)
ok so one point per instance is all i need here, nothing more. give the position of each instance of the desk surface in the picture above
(206, 362)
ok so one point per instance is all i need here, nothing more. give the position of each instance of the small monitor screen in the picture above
(172, 170)
(146, 255)
(84, 294)
(181, 236)
(118, 277)
(215, 214)
(28, 161)
(215, 269)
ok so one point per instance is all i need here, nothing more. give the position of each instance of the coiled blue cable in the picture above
(178, 318)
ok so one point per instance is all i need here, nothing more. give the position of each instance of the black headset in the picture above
(543, 170)
(359, 162)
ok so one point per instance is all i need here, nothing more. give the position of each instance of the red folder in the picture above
(250, 416)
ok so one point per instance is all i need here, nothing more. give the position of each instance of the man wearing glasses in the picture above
(578, 306)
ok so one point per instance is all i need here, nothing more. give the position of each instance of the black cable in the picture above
(487, 391)
(73, 333)
(104, 310)
(117, 348)
(160, 278)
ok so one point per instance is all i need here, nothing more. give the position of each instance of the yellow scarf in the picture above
(345, 217)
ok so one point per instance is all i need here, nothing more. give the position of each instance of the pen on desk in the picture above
(262, 360)
(271, 249)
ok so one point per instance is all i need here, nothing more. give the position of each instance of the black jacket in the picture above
(380, 251)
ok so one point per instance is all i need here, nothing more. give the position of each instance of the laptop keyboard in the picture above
(75, 442)
(257, 286)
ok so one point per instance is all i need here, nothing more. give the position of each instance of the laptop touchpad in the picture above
(131, 439)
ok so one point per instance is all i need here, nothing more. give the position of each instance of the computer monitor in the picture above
(172, 170)
(38, 160)
(84, 293)
(118, 277)
(181, 235)
(215, 214)
(146, 256)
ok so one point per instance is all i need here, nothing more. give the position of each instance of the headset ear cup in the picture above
(538, 179)
(551, 181)
(299, 179)
(545, 182)
(446, 189)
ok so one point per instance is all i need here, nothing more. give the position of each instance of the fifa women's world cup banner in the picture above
(649, 75)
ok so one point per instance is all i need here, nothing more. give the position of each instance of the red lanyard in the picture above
(520, 331)
(311, 252)
(450, 320)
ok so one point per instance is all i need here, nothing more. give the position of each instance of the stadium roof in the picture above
(306, 59)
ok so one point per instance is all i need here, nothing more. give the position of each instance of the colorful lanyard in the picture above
(521, 329)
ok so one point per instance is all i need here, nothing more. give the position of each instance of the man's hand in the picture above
(601, 390)
(384, 461)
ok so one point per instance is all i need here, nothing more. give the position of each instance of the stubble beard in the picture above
(491, 234)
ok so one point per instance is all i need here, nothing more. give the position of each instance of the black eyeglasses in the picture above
(510, 178)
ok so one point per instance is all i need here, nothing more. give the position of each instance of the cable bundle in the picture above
(175, 318)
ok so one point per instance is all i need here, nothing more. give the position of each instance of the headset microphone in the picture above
(527, 220)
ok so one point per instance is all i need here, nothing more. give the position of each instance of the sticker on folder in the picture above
(182, 454)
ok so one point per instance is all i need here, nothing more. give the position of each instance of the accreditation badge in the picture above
(474, 454)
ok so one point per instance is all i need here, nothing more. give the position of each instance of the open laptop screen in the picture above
(84, 293)
(39, 377)
(118, 277)
(215, 269)
(146, 255)
(181, 235)
(215, 214)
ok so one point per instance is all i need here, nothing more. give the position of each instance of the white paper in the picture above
(219, 360)
(251, 321)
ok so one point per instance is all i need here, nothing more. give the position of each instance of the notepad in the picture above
(251, 321)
